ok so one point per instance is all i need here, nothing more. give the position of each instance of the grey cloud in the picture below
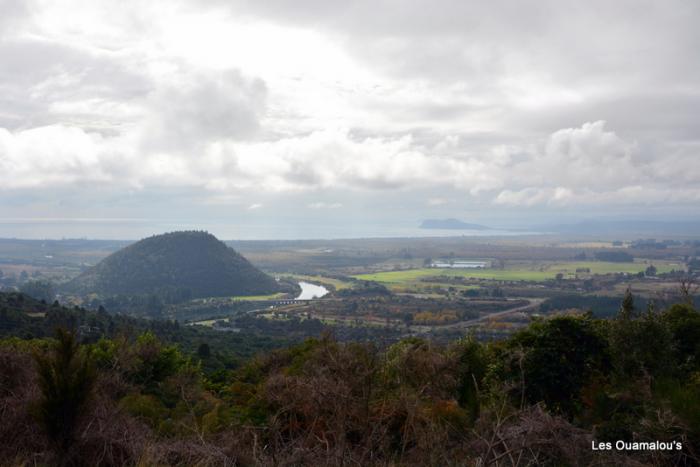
(634, 64)
(427, 112)
(13, 12)
(37, 74)
(593, 33)
(195, 109)
(668, 114)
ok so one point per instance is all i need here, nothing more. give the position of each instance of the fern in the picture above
(66, 378)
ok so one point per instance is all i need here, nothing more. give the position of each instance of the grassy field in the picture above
(207, 322)
(256, 298)
(411, 275)
(536, 271)
(602, 267)
(246, 298)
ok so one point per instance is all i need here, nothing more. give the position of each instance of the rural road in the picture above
(533, 302)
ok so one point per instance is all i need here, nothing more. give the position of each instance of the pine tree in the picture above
(627, 309)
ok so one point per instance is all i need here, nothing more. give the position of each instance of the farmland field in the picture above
(256, 298)
(410, 275)
(241, 298)
(604, 267)
(534, 271)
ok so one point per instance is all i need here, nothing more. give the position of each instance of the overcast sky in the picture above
(288, 116)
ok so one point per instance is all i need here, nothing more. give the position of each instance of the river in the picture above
(309, 291)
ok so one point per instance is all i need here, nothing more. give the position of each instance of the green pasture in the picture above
(238, 298)
(207, 322)
(413, 275)
(256, 298)
(534, 272)
(603, 267)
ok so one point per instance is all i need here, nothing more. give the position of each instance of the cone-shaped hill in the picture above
(194, 263)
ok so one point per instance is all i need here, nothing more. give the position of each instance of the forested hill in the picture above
(195, 264)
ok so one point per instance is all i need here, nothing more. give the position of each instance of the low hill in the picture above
(451, 224)
(186, 264)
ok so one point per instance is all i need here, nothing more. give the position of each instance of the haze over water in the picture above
(133, 229)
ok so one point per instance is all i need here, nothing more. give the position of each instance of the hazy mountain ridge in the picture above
(623, 228)
(452, 224)
(194, 262)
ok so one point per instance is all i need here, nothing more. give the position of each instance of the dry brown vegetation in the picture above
(538, 398)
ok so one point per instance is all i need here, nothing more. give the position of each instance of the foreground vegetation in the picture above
(540, 397)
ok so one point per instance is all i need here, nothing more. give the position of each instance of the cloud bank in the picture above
(465, 106)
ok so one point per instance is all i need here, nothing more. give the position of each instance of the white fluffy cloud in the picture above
(572, 166)
(585, 165)
(591, 165)
(324, 205)
(334, 159)
(53, 155)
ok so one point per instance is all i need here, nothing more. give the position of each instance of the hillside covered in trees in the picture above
(541, 397)
(27, 318)
(177, 265)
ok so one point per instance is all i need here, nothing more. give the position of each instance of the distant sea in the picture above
(132, 229)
